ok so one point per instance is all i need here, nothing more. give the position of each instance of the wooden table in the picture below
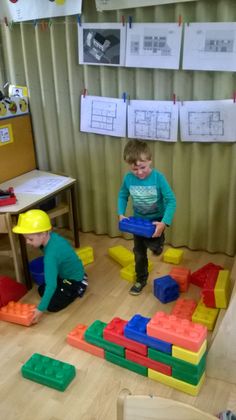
(32, 189)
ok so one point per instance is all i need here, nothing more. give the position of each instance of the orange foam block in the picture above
(177, 331)
(18, 313)
(76, 339)
(184, 308)
(182, 276)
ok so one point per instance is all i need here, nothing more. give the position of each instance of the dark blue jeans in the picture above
(141, 245)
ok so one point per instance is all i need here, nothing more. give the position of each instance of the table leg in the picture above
(25, 262)
(75, 215)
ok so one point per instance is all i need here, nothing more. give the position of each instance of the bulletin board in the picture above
(17, 154)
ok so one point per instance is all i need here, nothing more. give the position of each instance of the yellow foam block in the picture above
(205, 315)
(222, 289)
(85, 253)
(128, 272)
(173, 256)
(121, 255)
(189, 356)
(176, 383)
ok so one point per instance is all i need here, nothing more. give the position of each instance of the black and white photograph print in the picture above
(102, 44)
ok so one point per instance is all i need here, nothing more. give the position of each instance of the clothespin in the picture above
(123, 20)
(35, 22)
(180, 20)
(79, 20)
(130, 22)
(44, 25)
(85, 92)
(174, 98)
(50, 23)
(124, 96)
(234, 96)
(6, 21)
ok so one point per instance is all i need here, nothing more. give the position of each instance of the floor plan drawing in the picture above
(205, 123)
(222, 41)
(153, 120)
(102, 115)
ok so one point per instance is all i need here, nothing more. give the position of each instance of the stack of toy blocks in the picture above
(85, 253)
(18, 313)
(167, 349)
(165, 289)
(126, 259)
(173, 256)
(137, 226)
(48, 371)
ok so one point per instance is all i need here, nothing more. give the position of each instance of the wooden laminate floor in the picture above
(93, 393)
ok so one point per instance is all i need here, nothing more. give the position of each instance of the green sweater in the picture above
(60, 260)
(152, 197)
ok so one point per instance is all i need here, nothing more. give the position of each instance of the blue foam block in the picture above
(137, 226)
(166, 289)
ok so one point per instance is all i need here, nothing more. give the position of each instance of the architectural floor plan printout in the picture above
(103, 115)
(208, 121)
(153, 45)
(102, 44)
(210, 46)
(153, 120)
(22, 10)
(126, 4)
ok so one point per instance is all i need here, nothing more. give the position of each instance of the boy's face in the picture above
(141, 169)
(36, 239)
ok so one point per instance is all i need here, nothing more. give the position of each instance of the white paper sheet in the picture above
(22, 10)
(208, 121)
(127, 4)
(153, 45)
(102, 44)
(153, 120)
(41, 185)
(103, 115)
(210, 46)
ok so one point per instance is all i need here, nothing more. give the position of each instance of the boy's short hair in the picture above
(136, 150)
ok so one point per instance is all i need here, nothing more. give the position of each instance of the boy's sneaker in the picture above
(137, 288)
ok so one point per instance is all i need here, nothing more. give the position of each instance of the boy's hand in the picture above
(121, 217)
(160, 227)
(37, 315)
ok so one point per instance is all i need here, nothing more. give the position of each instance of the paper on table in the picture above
(41, 185)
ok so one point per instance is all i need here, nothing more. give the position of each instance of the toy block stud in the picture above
(222, 289)
(137, 226)
(182, 276)
(199, 277)
(166, 289)
(184, 308)
(48, 371)
(121, 255)
(76, 338)
(129, 273)
(18, 313)
(85, 254)
(173, 256)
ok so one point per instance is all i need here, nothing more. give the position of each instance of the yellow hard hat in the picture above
(33, 221)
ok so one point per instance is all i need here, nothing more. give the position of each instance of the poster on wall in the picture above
(103, 115)
(127, 4)
(23, 10)
(208, 121)
(210, 46)
(102, 44)
(153, 45)
(153, 120)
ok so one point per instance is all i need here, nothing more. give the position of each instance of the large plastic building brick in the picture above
(200, 276)
(10, 290)
(205, 315)
(127, 364)
(128, 272)
(48, 371)
(180, 332)
(18, 313)
(222, 289)
(76, 339)
(184, 308)
(121, 255)
(165, 289)
(114, 332)
(208, 295)
(173, 256)
(176, 383)
(137, 226)
(189, 356)
(182, 276)
(149, 363)
(136, 329)
(94, 335)
(85, 254)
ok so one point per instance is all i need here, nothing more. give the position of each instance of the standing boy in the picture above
(152, 198)
(65, 279)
